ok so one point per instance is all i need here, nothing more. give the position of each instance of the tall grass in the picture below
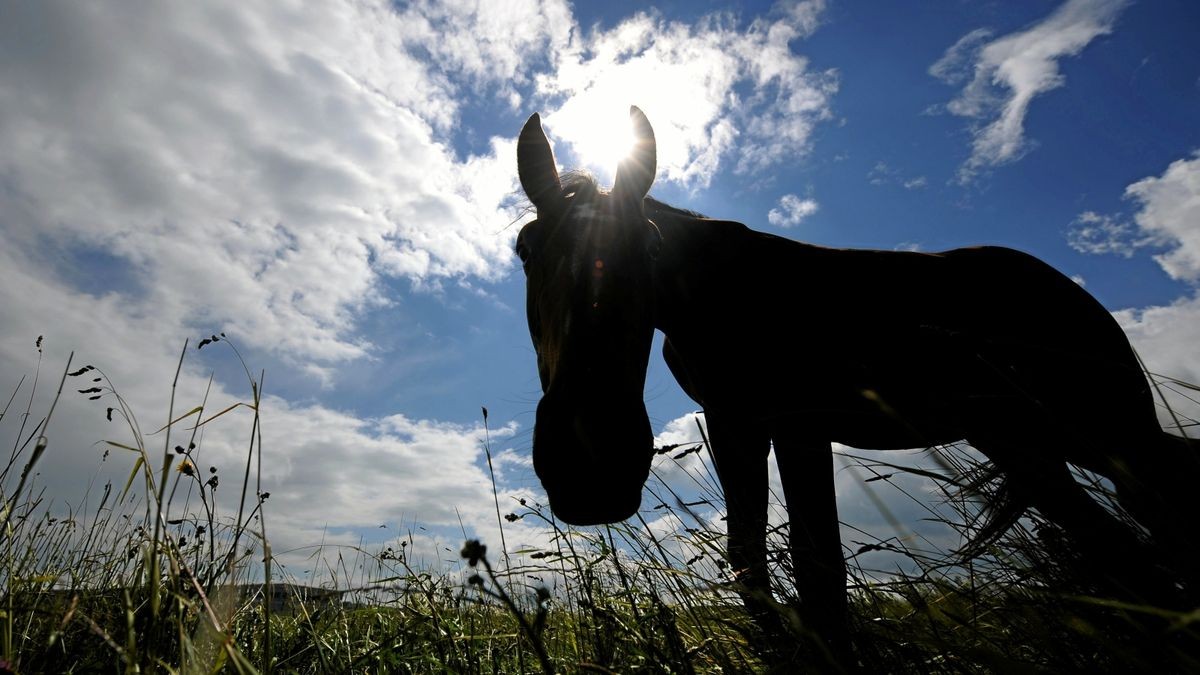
(153, 576)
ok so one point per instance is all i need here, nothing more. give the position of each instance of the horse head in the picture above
(589, 263)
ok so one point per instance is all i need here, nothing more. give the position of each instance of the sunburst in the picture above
(601, 137)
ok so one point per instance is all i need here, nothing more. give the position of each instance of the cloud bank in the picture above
(1167, 220)
(284, 171)
(264, 170)
(254, 168)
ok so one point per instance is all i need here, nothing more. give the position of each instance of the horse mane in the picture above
(582, 184)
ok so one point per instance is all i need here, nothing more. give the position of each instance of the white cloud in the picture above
(791, 211)
(1168, 216)
(254, 167)
(1166, 336)
(1009, 71)
(324, 467)
(1097, 233)
(489, 42)
(262, 168)
(173, 169)
(1170, 212)
(680, 469)
(955, 64)
(882, 174)
(687, 79)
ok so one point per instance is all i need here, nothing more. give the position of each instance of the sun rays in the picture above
(600, 137)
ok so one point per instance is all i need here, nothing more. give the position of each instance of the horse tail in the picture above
(1001, 509)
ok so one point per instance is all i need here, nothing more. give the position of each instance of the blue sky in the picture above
(334, 187)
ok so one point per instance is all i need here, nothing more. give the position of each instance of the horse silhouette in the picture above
(799, 346)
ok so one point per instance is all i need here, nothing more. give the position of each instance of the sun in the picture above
(611, 142)
(600, 136)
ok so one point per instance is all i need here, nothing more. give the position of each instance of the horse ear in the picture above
(635, 175)
(535, 164)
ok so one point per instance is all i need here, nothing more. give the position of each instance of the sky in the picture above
(333, 186)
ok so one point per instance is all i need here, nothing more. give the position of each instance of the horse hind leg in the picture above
(1039, 477)
(1156, 481)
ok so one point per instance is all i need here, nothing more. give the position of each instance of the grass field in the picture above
(131, 586)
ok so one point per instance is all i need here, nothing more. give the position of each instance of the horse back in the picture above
(936, 337)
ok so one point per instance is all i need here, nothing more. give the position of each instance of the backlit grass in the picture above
(152, 576)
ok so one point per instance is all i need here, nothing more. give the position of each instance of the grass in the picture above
(155, 578)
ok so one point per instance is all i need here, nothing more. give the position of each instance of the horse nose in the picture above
(597, 504)
(592, 459)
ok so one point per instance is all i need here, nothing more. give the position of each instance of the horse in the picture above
(796, 346)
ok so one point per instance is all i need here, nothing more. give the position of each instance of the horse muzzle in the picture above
(592, 463)
(594, 506)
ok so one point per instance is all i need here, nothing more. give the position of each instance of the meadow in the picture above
(156, 579)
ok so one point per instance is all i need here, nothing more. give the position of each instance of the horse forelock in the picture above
(580, 187)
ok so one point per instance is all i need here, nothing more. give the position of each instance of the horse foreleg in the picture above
(818, 566)
(739, 450)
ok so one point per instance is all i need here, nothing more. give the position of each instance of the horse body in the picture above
(799, 346)
(887, 349)
(794, 346)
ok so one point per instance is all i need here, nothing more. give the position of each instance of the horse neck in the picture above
(695, 259)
